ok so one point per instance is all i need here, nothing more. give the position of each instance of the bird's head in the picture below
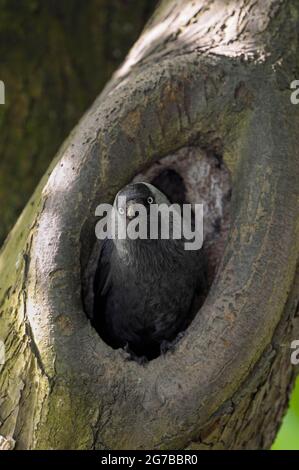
(129, 198)
(133, 214)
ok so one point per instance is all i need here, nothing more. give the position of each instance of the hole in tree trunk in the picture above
(191, 175)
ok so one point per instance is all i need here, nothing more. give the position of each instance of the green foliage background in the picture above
(288, 436)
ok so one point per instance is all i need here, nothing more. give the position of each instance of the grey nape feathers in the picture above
(143, 288)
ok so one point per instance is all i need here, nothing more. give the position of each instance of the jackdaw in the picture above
(144, 288)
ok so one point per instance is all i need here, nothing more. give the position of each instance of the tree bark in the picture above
(55, 59)
(201, 72)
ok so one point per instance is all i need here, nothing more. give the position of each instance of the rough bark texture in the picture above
(203, 72)
(56, 56)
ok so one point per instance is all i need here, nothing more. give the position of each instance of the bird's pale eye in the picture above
(121, 211)
(150, 199)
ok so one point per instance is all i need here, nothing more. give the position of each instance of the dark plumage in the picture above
(144, 289)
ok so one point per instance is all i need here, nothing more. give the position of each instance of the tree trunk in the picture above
(203, 72)
(55, 58)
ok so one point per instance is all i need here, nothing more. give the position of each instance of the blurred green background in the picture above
(55, 59)
(288, 436)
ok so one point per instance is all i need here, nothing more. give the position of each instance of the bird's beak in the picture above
(131, 209)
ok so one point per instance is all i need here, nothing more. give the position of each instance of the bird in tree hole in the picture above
(144, 289)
